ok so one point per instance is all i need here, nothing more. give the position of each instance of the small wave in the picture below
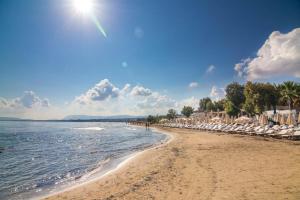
(95, 170)
(90, 128)
(131, 129)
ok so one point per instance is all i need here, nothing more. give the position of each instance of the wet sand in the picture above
(200, 165)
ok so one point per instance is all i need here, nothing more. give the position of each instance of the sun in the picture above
(84, 7)
(88, 9)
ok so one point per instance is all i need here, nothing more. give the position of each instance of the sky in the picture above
(154, 55)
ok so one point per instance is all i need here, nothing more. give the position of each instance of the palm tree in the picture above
(289, 92)
(297, 99)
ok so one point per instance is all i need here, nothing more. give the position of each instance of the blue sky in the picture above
(48, 49)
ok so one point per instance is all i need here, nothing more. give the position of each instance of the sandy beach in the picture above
(200, 165)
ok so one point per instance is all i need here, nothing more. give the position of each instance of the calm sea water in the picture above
(37, 158)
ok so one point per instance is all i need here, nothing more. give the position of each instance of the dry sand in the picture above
(199, 165)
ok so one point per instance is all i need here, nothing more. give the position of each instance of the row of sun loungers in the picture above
(275, 131)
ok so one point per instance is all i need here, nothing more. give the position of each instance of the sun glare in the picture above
(84, 7)
(88, 8)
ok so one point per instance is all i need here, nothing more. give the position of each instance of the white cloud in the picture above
(45, 102)
(210, 68)
(192, 101)
(138, 32)
(279, 56)
(29, 105)
(140, 91)
(217, 93)
(102, 99)
(107, 99)
(240, 67)
(3, 103)
(102, 91)
(193, 85)
(125, 89)
(28, 100)
(156, 103)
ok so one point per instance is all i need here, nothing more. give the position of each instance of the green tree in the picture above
(154, 119)
(231, 109)
(289, 93)
(259, 96)
(249, 92)
(203, 104)
(210, 106)
(235, 94)
(271, 96)
(255, 99)
(219, 105)
(171, 114)
(187, 111)
(297, 100)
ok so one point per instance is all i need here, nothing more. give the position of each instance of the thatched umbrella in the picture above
(290, 120)
(260, 119)
(224, 117)
(216, 119)
(276, 117)
(164, 121)
(293, 119)
(263, 120)
(279, 118)
(231, 119)
(243, 120)
(227, 119)
(282, 120)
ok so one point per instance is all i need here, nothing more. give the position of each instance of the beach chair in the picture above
(295, 135)
(283, 133)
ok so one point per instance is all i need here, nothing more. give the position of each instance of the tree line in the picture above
(249, 98)
(254, 98)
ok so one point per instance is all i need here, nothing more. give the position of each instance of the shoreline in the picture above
(200, 165)
(114, 169)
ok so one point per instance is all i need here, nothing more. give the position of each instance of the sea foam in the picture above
(90, 128)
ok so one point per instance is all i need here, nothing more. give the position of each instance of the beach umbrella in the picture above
(276, 117)
(263, 120)
(223, 117)
(226, 119)
(260, 121)
(266, 119)
(279, 116)
(164, 121)
(289, 120)
(293, 118)
(282, 120)
(216, 119)
(194, 121)
(243, 120)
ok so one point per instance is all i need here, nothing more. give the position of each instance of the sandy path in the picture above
(198, 165)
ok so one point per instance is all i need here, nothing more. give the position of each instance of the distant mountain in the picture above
(113, 117)
(9, 118)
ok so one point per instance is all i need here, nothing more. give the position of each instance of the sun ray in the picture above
(99, 26)
(86, 8)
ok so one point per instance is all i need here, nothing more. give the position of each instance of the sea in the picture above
(41, 158)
